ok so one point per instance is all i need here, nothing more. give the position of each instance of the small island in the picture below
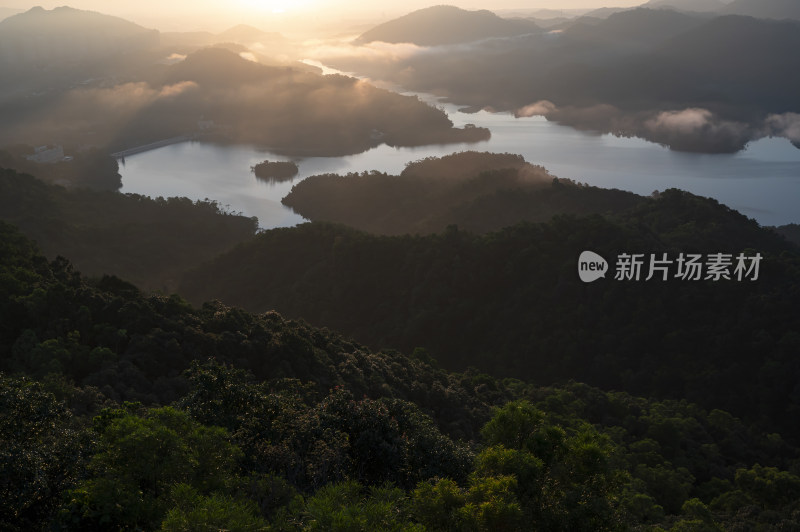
(275, 170)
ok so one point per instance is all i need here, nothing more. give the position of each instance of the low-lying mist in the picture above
(690, 82)
(691, 129)
(228, 98)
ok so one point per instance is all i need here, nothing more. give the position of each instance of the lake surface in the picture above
(762, 182)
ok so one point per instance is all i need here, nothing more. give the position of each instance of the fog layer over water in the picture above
(762, 182)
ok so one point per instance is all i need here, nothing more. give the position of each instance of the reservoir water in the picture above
(762, 182)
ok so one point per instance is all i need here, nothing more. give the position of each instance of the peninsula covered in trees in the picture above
(133, 93)
(478, 192)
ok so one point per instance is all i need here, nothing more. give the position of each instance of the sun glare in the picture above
(276, 6)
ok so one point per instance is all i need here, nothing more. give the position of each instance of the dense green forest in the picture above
(479, 192)
(122, 411)
(511, 303)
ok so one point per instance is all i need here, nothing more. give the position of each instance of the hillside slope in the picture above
(511, 302)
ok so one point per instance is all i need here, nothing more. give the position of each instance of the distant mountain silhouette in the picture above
(65, 33)
(639, 27)
(689, 81)
(440, 25)
(778, 9)
(687, 5)
(741, 60)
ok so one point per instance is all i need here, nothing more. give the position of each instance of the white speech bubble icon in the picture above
(591, 266)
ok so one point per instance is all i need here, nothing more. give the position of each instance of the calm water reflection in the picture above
(762, 182)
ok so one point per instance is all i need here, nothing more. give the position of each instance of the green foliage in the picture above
(518, 425)
(284, 430)
(288, 411)
(219, 395)
(528, 469)
(138, 462)
(349, 507)
(438, 503)
(668, 485)
(193, 512)
(769, 486)
(697, 511)
(107, 335)
(510, 303)
(491, 504)
(575, 488)
(391, 441)
(41, 453)
(762, 498)
(270, 493)
(641, 508)
(563, 479)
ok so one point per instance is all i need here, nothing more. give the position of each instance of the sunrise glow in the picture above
(276, 6)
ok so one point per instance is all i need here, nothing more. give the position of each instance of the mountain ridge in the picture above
(66, 33)
(775, 9)
(442, 25)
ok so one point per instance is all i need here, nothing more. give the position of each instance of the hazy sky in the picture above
(287, 5)
(211, 14)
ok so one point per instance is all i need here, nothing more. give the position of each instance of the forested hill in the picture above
(443, 25)
(240, 101)
(322, 433)
(479, 192)
(512, 303)
(132, 347)
(147, 241)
